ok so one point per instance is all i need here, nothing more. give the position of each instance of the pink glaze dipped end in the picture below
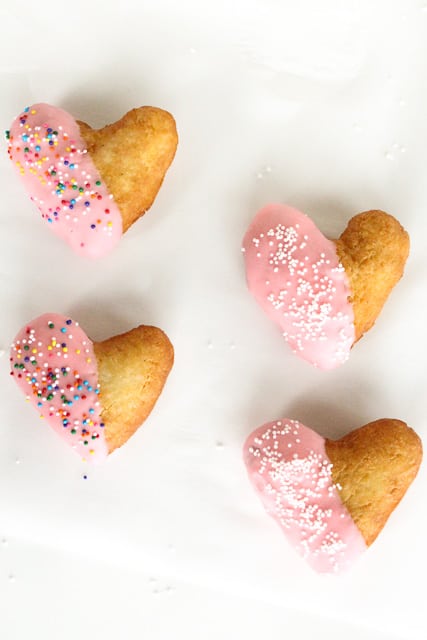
(290, 470)
(48, 151)
(294, 273)
(53, 362)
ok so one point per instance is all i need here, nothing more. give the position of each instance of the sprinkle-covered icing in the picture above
(295, 275)
(46, 147)
(53, 362)
(289, 468)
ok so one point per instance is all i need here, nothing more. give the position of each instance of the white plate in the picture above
(320, 105)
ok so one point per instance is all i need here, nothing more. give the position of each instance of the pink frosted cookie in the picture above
(90, 393)
(295, 275)
(323, 295)
(331, 498)
(91, 185)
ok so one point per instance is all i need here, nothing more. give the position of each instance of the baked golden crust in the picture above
(374, 466)
(132, 369)
(373, 250)
(132, 156)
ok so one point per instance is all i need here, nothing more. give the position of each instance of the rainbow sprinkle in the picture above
(53, 362)
(48, 151)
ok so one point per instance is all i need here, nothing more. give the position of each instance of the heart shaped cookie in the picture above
(324, 295)
(91, 185)
(332, 498)
(94, 395)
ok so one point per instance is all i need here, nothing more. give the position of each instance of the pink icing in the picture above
(295, 275)
(47, 149)
(53, 362)
(289, 468)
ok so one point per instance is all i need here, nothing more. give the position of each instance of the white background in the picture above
(318, 104)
